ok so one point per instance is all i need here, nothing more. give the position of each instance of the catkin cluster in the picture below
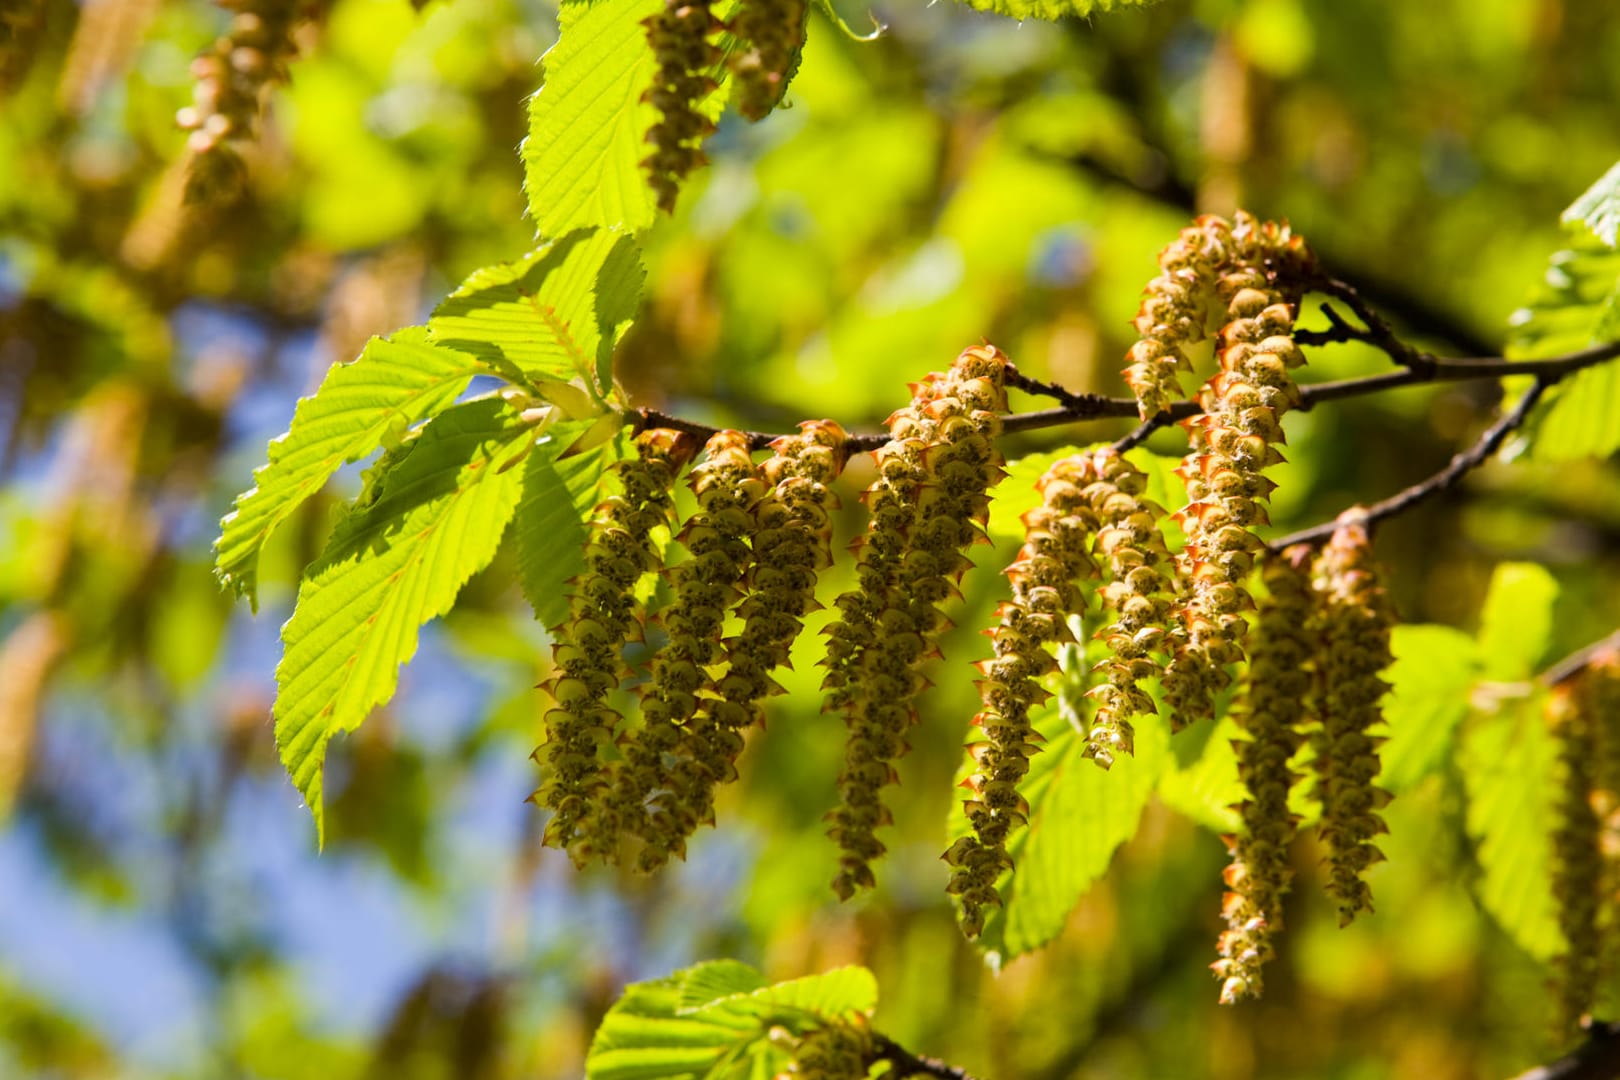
(1271, 717)
(674, 761)
(20, 23)
(1352, 620)
(1056, 554)
(770, 35)
(833, 1052)
(232, 77)
(1262, 270)
(924, 506)
(587, 649)
(685, 56)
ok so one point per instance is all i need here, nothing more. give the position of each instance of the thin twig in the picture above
(1443, 480)
(1598, 1058)
(908, 1064)
(1094, 407)
(1375, 331)
(1577, 662)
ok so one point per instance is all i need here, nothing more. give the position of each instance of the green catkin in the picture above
(1271, 718)
(1263, 269)
(665, 786)
(833, 1052)
(1172, 316)
(680, 36)
(1056, 554)
(1138, 594)
(770, 35)
(931, 491)
(1602, 690)
(233, 75)
(1352, 622)
(1577, 864)
(586, 652)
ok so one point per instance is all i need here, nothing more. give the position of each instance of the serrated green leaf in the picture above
(360, 405)
(1576, 306)
(1206, 788)
(550, 527)
(1598, 208)
(556, 313)
(1516, 625)
(1429, 683)
(1508, 771)
(840, 994)
(389, 567)
(644, 1037)
(713, 980)
(1050, 9)
(1079, 815)
(588, 124)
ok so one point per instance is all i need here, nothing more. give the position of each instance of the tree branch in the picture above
(1577, 662)
(1083, 407)
(1598, 1058)
(1443, 480)
(908, 1064)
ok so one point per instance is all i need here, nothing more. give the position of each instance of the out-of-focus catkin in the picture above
(1353, 619)
(1577, 865)
(685, 55)
(672, 763)
(233, 75)
(833, 1052)
(586, 653)
(1055, 556)
(1271, 717)
(770, 35)
(925, 508)
(1262, 271)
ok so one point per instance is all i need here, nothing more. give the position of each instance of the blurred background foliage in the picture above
(163, 911)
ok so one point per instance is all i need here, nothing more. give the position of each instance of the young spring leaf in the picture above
(359, 406)
(554, 314)
(390, 566)
(1429, 683)
(552, 520)
(1577, 305)
(1516, 625)
(644, 1036)
(1508, 770)
(1598, 208)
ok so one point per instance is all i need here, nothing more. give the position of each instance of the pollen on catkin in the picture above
(1577, 865)
(1271, 718)
(232, 77)
(664, 788)
(770, 35)
(925, 508)
(1055, 555)
(1352, 621)
(680, 36)
(1262, 273)
(1139, 594)
(586, 650)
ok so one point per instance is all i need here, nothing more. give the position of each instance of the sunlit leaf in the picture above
(1207, 787)
(1576, 306)
(587, 125)
(360, 406)
(1598, 208)
(554, 314)
(1508, 771)
(1517, 622)
(551, 523)
(712, 980)
(389, 567)
(1429, 682)
(840, 994)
